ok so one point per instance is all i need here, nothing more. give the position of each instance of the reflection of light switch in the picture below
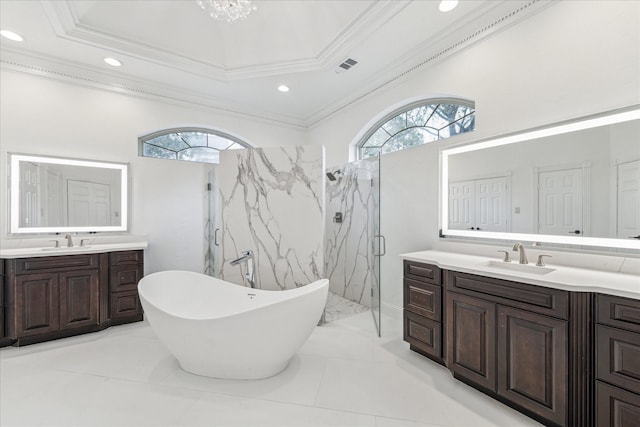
(517, 210)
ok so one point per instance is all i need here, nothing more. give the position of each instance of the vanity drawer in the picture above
(616, 407)
(125, 304)
(619, 312)
(618, 357)
(423, 298)
(422, 272)
(125, 277)
(126, 257)
(423, 334)
(538, 299)
(56, 263)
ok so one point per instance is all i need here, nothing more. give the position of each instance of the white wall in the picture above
(571, 59)
(50, 117)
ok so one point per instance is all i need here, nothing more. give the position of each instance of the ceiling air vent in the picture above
(346, 65)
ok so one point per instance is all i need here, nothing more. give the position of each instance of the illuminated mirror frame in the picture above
(612, 117)
(14, 218)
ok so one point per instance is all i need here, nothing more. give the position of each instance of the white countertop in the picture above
(562, 277)
(30, 252)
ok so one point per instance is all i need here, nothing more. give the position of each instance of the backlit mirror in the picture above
(56, 195)
(572, 183)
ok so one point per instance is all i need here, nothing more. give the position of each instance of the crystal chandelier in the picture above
(227, 10)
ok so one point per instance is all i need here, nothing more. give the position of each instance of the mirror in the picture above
(572, 183)
(56, 195)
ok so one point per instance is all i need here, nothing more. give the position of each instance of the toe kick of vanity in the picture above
(561, 357)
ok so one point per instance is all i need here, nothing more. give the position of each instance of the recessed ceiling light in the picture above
(447, 5)
(283, 88)
(11, 35)
(113, 62)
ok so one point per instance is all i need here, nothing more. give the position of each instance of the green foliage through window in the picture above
(418, 124)
(191, 144)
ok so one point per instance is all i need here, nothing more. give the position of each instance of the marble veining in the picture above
(339, 308)
(271, 201)
(349, 261)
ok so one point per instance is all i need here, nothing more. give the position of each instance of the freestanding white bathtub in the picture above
(218, 329)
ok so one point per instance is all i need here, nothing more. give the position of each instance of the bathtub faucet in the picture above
(247, 256)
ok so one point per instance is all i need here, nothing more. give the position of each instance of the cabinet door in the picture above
(532, 362)
(37, 301)
(78, 299)
(471, 339)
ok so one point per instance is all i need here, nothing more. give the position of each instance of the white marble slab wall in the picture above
(348, 245)
(271, 202)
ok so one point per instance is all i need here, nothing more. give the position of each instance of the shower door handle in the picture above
(215, 237)
(382, 240)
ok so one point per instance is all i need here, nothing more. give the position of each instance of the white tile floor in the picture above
(343, 376)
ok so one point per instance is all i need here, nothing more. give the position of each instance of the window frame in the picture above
(189, 129)
(403, 109)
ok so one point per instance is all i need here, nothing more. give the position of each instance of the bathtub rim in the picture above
(316, 285)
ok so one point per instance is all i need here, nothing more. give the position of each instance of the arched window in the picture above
(192, 144)
(418, 123)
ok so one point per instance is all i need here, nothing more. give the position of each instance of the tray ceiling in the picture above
(174, 49)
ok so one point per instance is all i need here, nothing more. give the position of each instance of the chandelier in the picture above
(227, 10)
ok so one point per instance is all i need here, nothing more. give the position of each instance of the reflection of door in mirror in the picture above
(628, 205)
(560, 202)
(479, 204)
(89, 203)
(29, 195)
(53, 210)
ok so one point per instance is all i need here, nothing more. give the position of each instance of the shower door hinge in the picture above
(208, 186)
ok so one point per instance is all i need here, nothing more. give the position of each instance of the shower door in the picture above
(378, 242)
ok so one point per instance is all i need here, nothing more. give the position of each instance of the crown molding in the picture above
(36, 64)
(67, 25)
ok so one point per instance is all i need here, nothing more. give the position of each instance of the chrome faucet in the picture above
(523, 255)
(69, 240)
(246, 257)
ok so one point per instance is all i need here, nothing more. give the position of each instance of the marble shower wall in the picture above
(271, 201)
(348, 245)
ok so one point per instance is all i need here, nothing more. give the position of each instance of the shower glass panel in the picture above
(212, 255)
(353, 244)
(378, 242)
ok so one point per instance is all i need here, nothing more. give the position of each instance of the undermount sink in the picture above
(66, 248)
(522, 268)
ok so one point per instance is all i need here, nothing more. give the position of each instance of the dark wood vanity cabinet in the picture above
(50, 295)
(4, 340)
(423, 309)
(563, 358)
(617, 361)
(59, 296)
(511, 340)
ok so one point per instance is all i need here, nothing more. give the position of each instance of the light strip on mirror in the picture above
(619, 117)
(15, 196)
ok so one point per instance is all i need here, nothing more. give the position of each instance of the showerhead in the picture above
(335, 174)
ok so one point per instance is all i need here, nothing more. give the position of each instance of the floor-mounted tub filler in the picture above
(219, 329)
